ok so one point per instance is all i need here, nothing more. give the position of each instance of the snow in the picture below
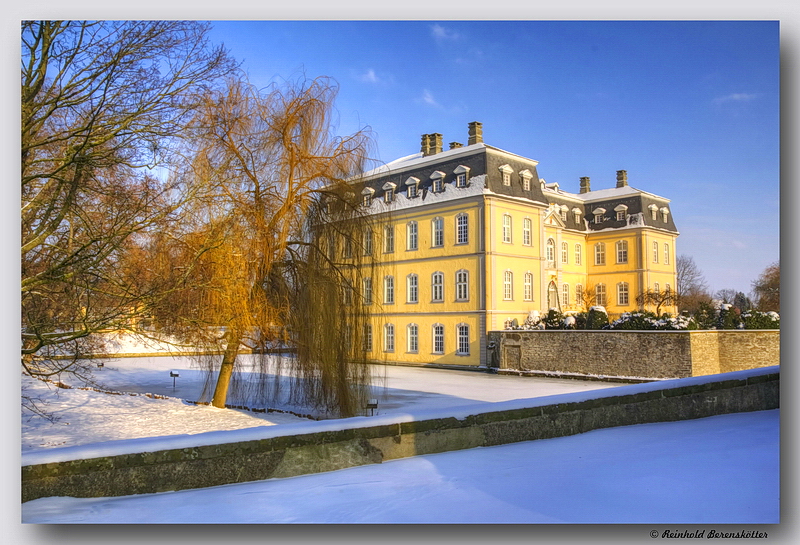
(716, 470)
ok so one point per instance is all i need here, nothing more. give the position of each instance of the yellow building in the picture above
(470, 237)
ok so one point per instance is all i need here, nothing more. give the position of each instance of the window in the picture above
(367, 199)
(622, 294)
(412, 288)
(347, 248)
(578, 256)
(332, 247)
(367, 291)
(528, 287)
(388, 337)
(462, 331)
(622, 212)
(598, 218)
(506, 178)
(655, 252)
(564, 214)
(506, 228)
(462, 285)
(508, 285)
(656, 288)
(368, 242)
(622, 251)
(411, 191)
(564, 252)
(527, 238)
(550, 252)
(666, 254)
(412, 240)
(437, 227)
(437, 287)
(413, 338)
(388, 197)
(461, 180)
(438, 339)
(653, 212)
(667, 290)
(600, 253)
(620, 215)
(367, 344)
(577, 214)
(526, 183)
(462, 229)
(600, 294)
(664, 214)
(579, 295)
(388, 239)
(438, 181)
(599, 214)
(565, 293)
(388, 290)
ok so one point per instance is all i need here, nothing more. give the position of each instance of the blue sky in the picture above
(689, 109)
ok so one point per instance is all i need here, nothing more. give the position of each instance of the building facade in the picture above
(471, 237)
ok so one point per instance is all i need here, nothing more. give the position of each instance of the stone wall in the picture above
(633, 354)
(385, 438)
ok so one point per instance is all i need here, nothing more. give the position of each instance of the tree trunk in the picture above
(226, 369)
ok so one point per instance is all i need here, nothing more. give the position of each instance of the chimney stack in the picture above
(435, 143)
(426, 146)
(585, 184)
(475, 133)
(622, 178)
(454, 145)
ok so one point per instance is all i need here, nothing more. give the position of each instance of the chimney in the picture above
(475, 133)
(426, 146)
(585, 184)
(622, 178)
(454, 145)
(435, 142)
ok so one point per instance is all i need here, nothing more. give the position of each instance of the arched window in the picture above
(437, 228)
(367, 282)
(655, 252)
(368, 242)
(527, 237)
(462, 229)
(388, 239)
(564, 252)
(578, 256)
(412, 338)
(528, 287)
(600, 294)
(412, 239)
(579, 295)
(506, 228)
(388, 337)
(600, 253)
(508, 284)
(565, 294)
(367, 340)
(388, 290)
(438, 339)
(437, 287)
(412, 288)
(462, 332)
(666, 254)
(622, 251)
(622, 294)
(550, 251)
(462, 285)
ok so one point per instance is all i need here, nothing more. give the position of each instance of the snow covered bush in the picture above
(554, 319)
(648, 321)
(596, 318)
(754, 319)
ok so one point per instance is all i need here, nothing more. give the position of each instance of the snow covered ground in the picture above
(718, 470)
(723, 469)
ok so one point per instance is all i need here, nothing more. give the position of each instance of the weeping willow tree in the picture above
(271, 186)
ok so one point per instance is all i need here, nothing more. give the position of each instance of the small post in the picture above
(100, 364)
(173, 374)
(372, 404)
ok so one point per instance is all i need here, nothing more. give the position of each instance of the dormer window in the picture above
(437, 183)
(461, 173)
(366, 196)
(564, 211)
(653, 211)
(622, 212)
(506, 171)
(412, 187)
(388, 188)
(664, 214)
(598, 214)
(577, 213)
(526, 177)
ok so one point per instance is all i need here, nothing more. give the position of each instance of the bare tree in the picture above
(767, 289)
(101, 105)
(657, 299)
(692, 290)
(271, 182)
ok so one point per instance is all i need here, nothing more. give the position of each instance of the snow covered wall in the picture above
(215, 458)
(635, 355)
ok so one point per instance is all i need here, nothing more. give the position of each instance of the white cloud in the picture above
(441, 33)
(369, 77)
(735, 97)
(427, 98)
